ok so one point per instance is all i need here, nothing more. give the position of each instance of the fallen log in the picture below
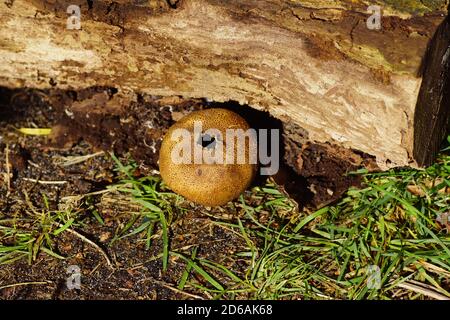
(322, 67)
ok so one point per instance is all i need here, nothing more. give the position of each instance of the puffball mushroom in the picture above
(209, 181)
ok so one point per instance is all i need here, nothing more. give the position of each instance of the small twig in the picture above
(31, 163)
(80, 197)
(426, 292)
(44, 182)
(96, 246)
(8, 171)
(166, 285)
(435, 269)
(72, 160)
(24, 284)
(95, 269)
(72, 201)
(30, 205)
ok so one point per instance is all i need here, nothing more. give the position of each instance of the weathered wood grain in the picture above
(313, 63)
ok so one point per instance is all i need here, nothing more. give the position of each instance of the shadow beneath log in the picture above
(313, 174)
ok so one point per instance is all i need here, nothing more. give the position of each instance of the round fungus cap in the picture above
(209, 156)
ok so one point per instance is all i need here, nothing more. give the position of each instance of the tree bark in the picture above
(314, 64)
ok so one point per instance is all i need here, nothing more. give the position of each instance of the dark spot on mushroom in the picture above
(207, 141)
(199, 172)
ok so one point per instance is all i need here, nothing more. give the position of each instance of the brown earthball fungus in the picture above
(212, 183)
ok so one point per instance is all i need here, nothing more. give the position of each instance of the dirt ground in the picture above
(43, 178)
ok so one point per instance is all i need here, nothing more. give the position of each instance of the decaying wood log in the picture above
(315, 64)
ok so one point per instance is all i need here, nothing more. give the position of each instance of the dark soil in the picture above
(97, 119)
